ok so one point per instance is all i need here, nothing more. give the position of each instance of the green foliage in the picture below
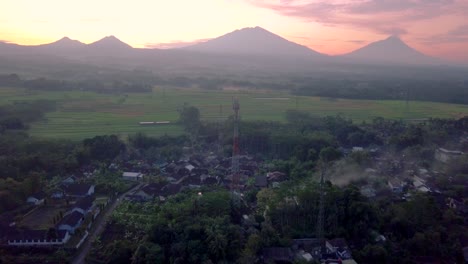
(329, 154)
(372, 254)
(148, 253)
(102, 148)
(190, 119)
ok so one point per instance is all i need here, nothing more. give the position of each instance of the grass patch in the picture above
(86, 114)
(42, 217)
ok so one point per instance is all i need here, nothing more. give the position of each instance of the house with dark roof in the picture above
(38, 238)
(69, 180)
(152, 189)
(276, 176)
(445, 155)
(146, 193)
(71, 222)
(78, 190)
(209, 180)
(171, 189)
(84, 205)
(37, 198)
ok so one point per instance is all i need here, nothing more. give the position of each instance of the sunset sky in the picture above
(435, 27)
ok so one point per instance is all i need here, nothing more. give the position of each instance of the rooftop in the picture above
(78, 189)
(85, 203)
(131, 174)
(72, 219)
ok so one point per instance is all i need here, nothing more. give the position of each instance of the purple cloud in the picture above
(458, 34)
(382, 16)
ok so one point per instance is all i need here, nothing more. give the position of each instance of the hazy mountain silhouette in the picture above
(390, 50)
(64, 43)
(254, 41)
(244, 51)
(110, 42)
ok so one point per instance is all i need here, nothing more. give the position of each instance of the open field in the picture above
(86, 114)
(42, 217)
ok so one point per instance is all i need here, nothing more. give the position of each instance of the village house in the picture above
(69, 180)
(132, 176)
(146, 193)
(84, 205)
(77, 190)
(37, 198)
(419, 184)
(209, 180)
(170, 189)
(276, 176)
(71, 222)
(445, 155)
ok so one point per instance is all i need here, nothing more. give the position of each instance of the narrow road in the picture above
(98, 228)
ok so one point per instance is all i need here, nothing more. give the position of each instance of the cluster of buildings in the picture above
(76, 208)
(193, 172)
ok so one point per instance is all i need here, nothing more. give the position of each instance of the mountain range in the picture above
(248, 49)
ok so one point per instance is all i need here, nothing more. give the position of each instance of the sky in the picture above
(435, 27)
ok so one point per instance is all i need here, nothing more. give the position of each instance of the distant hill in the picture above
(390, 50)
(253, 41)
(109, 44)
(64, 43)
(246, 51)
(66, 47)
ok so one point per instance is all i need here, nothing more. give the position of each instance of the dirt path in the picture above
(98, 228)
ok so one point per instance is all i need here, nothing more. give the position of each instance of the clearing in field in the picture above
(43, 217)
(86, 114)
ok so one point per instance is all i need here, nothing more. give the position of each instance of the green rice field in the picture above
(86, 114)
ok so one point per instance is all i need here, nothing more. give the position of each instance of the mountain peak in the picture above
(253, 41)
(111, 37)
(110, 42)
(393, 37)
(392, 50)
(65, 42)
